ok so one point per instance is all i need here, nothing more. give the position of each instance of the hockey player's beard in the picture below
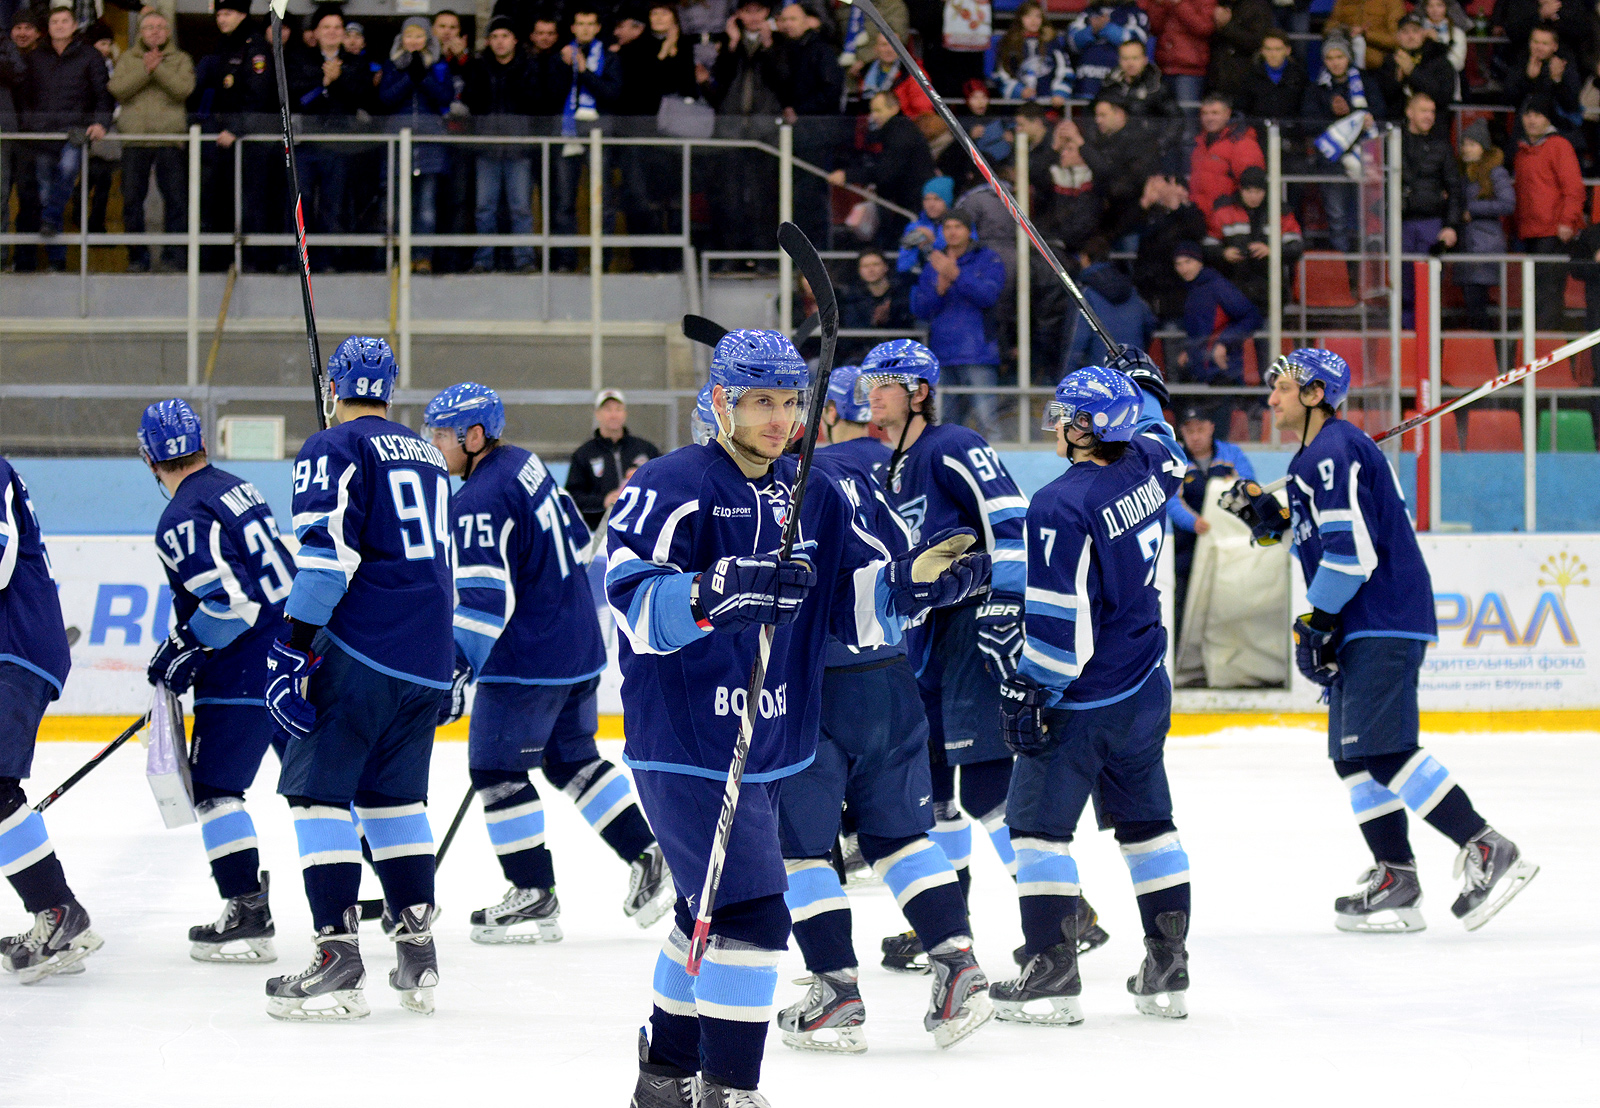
(750, 450)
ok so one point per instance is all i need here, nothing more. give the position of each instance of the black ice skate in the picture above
(59, 939)
(831, 1019)
(660, 1086)
(1495, 872)
(959, 1004)
(903, 953)
(709, 1094)
(1165, 971)
(524, 916)
(650, 889)
(1389, 901)
(418, 969)
(243, 933)
(1047, 991)
(329, 988)
(1091, 936)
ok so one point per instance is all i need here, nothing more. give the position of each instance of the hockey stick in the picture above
(798, 247)
(1495, 384)
(870, 10)
(83, 772)
(708, 332)
(313, 348)
(373, 909)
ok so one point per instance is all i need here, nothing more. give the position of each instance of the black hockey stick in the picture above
(1113, 347)
(798, 247)
(708, 332)
(313, 348)
(372, 909)
(105, 752)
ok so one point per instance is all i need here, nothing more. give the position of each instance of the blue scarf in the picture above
(578, 100)
(1356, 91)
(1276, 75)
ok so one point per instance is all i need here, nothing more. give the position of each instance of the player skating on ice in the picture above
(34, 660)
(358, 678)
(229, 573)
(1090, 705)
(527, 633)
(692, 577)
(873, 751)
(1371, 619)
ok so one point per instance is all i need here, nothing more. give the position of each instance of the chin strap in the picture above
(900, 447)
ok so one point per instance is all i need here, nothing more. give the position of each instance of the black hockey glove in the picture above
(739, 591)
(1144, 371)
(454, 706)
(290, 667)
(177, 660)
(1021, 725)
(1000, 635)
(1316, 647)
(1265, 515)
(936, 573)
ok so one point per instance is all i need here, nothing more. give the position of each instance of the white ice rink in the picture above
(1286, 1011)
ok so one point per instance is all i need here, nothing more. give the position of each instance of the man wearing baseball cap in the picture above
(601, 466)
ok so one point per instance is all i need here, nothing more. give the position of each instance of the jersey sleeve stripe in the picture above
(8, 535)
(1054, 659)
(240, 604)
(663, 548)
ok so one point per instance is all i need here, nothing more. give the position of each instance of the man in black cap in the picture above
(1418, 64)
(1208, 458)
(1245, 249)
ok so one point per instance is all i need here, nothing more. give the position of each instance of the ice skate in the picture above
(1047, 991)
(903, 953)
(960, 1001)
(660, 1086)
(243, 933)
(1091, 936)
(523, 916)
(1165, 971)
(418, 969)
(58, 941)
(1389, 901)
(650, 889)
(329, 988)
(709, 1094)
(831, 1019)
(1495, 872)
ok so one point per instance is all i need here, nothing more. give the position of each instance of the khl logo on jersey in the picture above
(915, 513)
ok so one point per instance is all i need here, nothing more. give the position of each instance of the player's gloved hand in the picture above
(739, 591)
(1144, 371)
(1265, 515)
(286, 688)
(1000, 635)
(454, 706)
(936, 573)
(177, 660)
(1021, 724)
(1316, 646)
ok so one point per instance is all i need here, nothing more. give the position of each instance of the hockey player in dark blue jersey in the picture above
(872, 752)
(691, 577)
(526, 631)
(358, 678)
(34, 660)
(1088, 710)
(229, 572)
(1371, 620)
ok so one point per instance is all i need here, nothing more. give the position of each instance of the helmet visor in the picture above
(765, 407)
(869, 381)
(1056, 414)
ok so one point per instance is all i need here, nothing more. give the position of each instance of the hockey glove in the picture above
(1316, 647)
(286, 688)
(739, 591)
(1000, 635)
(177, 660)
(1144, 371)
(1021, 725)
(454, 706)
(1265, 515)
(936, 573)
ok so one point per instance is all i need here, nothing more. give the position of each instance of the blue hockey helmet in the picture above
(703, 423)
(752, 359)
(897, 362)
(363, 368)
(1098, 400)
(170, 429)
(1309, 366)
(842, 391)
(464, 406)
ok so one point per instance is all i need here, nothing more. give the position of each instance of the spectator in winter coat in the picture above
(549, 75)
(1275, 85)
(1033, 122)
(744, 190)
(330, 84)
(1075, 208)
(860, 35)
(1094, 38)
(886, 74)
(1169, 219)
(992, 224)
(596, 83)
(1543, 70)
(414, 86)
(893, 158)
(1208, 457)
(1141, 87)
(152, 81)
(1376, 21)
(13, 72)
(602, 465)
(1245, 247)
(1516, 18)
(500, 92)
(1029, 61)
(1111, 295)
(986, 129)
(1121, 157)
(66, 88)
(1549, 190)
(1225, 147)
(879, 300)
(1339, 90)
(1418, 64)
(1240, 25)
(926, 233)
(1431, 194)
(956, 294)
(1183, 30)
(811, 89)
(1217, 318)
(1489, 199)
(1438, 25)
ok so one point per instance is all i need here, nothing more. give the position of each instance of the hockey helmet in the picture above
(1308, 366)
(464, 406)
(751, 359)
(842, 391)
(170, 429)
(1098, 400)
(703, 423)
(897, 362)
(363, 368)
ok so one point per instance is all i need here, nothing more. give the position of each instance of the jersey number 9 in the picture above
(411, 509)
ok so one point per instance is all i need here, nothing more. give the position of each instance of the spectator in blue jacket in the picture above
(1112, 297)
(926, 232)
(1208, 458)
(1095, 36)
(1217, 318)
(415, 88)
(956, 294)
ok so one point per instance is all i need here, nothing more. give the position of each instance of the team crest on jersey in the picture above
(259, 63)
(915, 514)
(598, 466)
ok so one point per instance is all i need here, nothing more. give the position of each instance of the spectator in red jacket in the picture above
(1183, 42)
(1549, 204)
(1223, 150)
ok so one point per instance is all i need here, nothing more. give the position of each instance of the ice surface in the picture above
(1286, 1011)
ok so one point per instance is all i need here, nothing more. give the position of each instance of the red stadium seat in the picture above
(1449, 434)
(1494, 430)
(1571, 374)
(1327, 283)
(1467, 361)
(1239, 427)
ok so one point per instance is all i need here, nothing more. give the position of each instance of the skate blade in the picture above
(862, 878)
(64, 962)
(341, 1004)
(546, 931)
(1050, 1011)
(1515, 880)
(1176, 1007)
(828, 1040)
(917, 965)
(1092, 939)
(977, 1011)
(255, 950)
(1390, 921)
(655, 909)
(418, 1000)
